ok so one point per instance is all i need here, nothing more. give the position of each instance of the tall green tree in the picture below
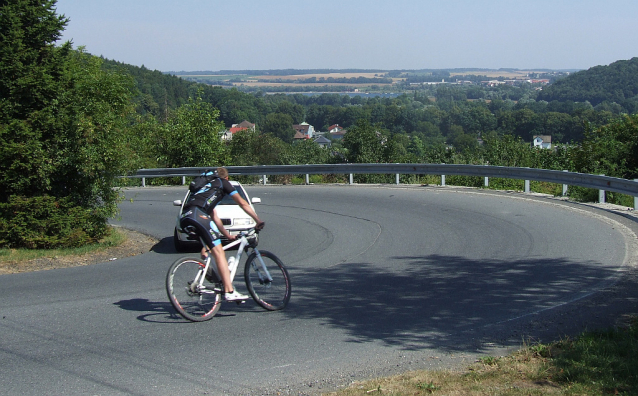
(31, 69)
(241, 148)
(191, 137)
(364, 143)
(279, 125)
(62, 132)
(307, 151)
(611, 150)
(92, 147)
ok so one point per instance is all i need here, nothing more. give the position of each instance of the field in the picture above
(322, 75)
(266, 80)
(349, 79)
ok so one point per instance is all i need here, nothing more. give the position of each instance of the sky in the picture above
(199, 35)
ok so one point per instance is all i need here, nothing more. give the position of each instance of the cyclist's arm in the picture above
(246, 207)
(220, 226)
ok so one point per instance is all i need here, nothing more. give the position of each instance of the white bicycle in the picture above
(196, 292)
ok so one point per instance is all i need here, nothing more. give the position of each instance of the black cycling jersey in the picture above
(210, 195)
(199, 207)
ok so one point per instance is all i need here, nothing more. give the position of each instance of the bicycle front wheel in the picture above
(267, 280)
(191, 301)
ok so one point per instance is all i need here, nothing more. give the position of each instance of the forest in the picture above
(71, 124)
(443, 124)
(439, 117)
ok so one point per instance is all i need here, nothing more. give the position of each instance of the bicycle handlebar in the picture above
(252, 231)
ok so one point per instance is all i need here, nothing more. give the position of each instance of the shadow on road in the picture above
(151, 311)
(452, 303)
(159, 312)
(166, 246)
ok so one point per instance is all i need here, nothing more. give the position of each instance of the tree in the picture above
(280, 126)
(507, 150)
(91, 149)
(308, 152)
(476, 120)
(241, 148)
(62, 133)
(364, 143)
(295, 111)
(611, 150)
(191, 137)
(31, 69)
(416, 147)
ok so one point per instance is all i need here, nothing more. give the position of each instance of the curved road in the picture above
(385, 279)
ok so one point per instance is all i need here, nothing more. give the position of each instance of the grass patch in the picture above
(114, 237)
(595, 363)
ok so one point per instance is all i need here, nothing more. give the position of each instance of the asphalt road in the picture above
(384, 280)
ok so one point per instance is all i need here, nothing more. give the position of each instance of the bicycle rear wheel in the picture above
(267, 283)
(192, 302)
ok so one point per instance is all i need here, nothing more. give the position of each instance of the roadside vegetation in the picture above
(593, 364)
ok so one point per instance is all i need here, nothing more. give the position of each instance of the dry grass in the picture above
(118, 244)
(595, 363)
(523, 373)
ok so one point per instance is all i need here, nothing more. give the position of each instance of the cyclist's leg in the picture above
(200, 221)
(211, 235)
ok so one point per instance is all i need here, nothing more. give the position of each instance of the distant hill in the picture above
(617, 82)
(157, 91)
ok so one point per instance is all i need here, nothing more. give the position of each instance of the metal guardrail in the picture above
(599, 182)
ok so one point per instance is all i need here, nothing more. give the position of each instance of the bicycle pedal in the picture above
(240, 302)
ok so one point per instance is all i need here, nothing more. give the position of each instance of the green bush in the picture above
(467, 181)
(47, 222)
(316, 179)
(498, 183)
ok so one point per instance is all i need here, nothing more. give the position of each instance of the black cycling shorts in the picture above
(204, 225)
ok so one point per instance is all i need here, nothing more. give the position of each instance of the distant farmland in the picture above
(320, 79)
(362, 81)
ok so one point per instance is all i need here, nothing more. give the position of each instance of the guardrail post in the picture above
(486, 182)
(265, 179)
(397, 178)
(183, 180)
(601, 195)
(143, 182)
(351, 182)
(527, 186)
(307, 178)
(443, 180)
(565, 186)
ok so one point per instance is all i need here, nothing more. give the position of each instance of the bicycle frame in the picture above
(242, 241)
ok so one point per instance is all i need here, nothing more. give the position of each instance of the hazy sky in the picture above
(190, 35)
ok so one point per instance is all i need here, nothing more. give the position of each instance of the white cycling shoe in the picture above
(235, 296)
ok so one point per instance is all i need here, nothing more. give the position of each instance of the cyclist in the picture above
(199, 211)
